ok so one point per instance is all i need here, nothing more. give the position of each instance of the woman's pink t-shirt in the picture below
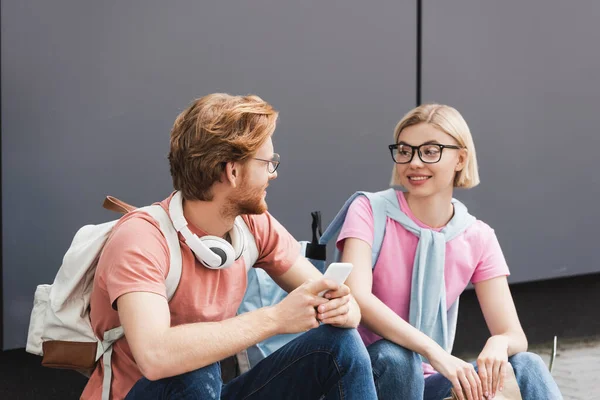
(473, 256)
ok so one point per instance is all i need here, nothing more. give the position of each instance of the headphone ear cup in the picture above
(220, 253)
(212, 251)
(221, 248)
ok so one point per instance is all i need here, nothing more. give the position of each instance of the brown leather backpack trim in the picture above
(69, 355)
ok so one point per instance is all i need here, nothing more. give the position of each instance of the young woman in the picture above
(409, 297)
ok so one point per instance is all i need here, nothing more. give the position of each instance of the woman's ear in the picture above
(462, 160)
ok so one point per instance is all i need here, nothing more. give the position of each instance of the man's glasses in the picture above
(429, 153)
(272, 164)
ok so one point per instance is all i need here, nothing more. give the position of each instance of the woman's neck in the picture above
(434, 211)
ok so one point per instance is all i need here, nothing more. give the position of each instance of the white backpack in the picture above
(60, 329)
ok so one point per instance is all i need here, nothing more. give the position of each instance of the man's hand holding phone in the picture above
(326, 300)
(341, 310)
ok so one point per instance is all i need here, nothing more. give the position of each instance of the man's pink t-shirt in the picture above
(473, 256)
(136, 259)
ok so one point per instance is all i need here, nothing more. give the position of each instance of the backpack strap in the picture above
(166, 226)
(109, 338)
(172, 282)
(113, 204)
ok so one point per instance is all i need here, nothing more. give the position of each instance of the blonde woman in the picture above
(430, 252)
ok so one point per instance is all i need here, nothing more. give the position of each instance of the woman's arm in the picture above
(500, 313)
(507, 337)
(377, 316)
(380, 319)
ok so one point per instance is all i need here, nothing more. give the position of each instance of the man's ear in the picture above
(232, 173)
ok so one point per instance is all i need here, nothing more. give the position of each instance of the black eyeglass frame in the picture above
(274, 161)
(417, 149)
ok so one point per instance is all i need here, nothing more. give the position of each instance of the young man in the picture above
(222, 161)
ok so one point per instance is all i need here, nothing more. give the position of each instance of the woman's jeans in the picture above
(398, 374)
(324, 363)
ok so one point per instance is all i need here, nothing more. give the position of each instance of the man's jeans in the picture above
(399, 375)
(324, 363)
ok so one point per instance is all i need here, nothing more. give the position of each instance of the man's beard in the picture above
(246, 201)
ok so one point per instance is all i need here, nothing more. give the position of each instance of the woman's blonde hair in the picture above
(448, 120)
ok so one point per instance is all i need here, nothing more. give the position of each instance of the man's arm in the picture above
(342, 310)
(162, 351)
(301, 271)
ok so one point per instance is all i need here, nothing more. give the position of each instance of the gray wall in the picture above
(90, 90)
(525, 77)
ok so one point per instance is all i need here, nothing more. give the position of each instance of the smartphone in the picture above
(337, 272)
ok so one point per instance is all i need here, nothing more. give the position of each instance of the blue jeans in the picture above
(398, 374)
(324, 363)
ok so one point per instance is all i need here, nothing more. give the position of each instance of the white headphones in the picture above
(212, 251)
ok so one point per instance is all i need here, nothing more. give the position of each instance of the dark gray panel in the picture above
(525, 77)
(90, 90)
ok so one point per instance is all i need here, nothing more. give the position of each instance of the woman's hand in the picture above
(461, 374)
(491, 364)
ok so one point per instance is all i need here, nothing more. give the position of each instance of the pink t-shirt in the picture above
(473, 256)
(136, 259)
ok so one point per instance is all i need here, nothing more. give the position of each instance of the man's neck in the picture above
(434, 211)
(208, 216)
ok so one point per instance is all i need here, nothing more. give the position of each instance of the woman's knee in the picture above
(397, 371)
(388, 355)
(533, 377)
(527, 361)
(528, 366)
